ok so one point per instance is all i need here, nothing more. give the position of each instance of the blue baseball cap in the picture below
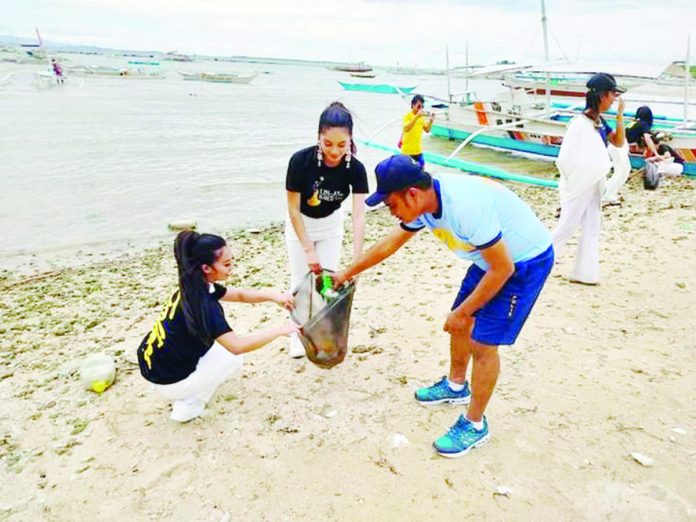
(396, 173)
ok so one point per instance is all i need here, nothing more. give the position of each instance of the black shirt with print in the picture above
(169, 353)
(322, 189)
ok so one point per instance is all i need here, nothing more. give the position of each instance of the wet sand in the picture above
(598, 373)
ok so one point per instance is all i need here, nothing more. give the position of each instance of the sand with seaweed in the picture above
(598, 373)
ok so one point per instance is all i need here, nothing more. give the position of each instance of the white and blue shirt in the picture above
(475, 213)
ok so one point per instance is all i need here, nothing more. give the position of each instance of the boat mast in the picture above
(687, 77)
(466, 63)
(546, 56)
(449, 90)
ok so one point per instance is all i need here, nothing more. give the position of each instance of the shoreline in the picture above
(597, 374)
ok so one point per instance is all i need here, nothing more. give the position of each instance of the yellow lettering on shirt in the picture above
(158, 333)
(452, 241)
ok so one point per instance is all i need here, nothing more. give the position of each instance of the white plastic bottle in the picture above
(97, 372)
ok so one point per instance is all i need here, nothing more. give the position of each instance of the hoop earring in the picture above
(348, 156)
(319, 155)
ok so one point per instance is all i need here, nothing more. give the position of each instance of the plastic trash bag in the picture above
(324, 319)
(651, 176)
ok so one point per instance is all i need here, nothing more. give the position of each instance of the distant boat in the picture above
(363, 74)
(381, 88)
(218, 77)
(177, 57)
(142, 62)
(354, 67)
(139, 73)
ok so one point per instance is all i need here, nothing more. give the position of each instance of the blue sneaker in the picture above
(441, 392)
(461, 438)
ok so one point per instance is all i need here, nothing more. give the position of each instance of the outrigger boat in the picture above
(381, 88)
(115, 72)
(515, 122)
(217, 77)
(514, 125)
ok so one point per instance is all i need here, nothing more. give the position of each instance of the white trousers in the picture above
(669, 168)
(585, 211)
(326, 234)
(214, 368)
(622, 169)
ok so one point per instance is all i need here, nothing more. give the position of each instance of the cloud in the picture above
(378, 31)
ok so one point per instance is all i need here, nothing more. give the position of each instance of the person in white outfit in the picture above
(319, 179)
(584, 163)
(191, 350)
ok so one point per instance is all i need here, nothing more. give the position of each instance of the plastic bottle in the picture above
(97, 372)
(327, 291)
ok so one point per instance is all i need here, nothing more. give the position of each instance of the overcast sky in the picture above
(380, 32)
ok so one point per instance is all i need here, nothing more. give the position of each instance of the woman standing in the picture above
(319, 179)
(584, 163)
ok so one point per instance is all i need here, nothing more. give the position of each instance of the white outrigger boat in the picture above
(115, 72)
(218, 77)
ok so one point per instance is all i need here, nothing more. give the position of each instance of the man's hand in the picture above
(338, 279)
(458, 323)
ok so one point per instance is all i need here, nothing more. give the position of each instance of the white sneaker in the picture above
(296, 350)
(185, 410)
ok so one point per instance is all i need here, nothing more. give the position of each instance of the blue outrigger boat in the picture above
(381, 88)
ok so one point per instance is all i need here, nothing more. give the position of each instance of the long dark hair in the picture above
(592, 99)
(192, 251)
(336, 115)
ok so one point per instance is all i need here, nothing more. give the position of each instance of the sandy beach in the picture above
(598, 374)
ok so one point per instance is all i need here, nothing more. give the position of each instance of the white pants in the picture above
(585, 211)
(214, 368)
(327, 236)
(622, 169)
(670, 167)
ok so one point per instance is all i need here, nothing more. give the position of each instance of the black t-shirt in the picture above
(322, 189)
(169, 353)
(635, 131)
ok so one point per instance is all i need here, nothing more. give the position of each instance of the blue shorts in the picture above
(502, 318)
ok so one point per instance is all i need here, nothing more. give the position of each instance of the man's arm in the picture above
(376, 254)
(408, 126)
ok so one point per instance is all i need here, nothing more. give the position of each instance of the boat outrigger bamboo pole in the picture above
(546, 56)
(472, 168)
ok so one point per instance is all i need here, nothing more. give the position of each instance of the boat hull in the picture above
(533, 137)
(379, 88)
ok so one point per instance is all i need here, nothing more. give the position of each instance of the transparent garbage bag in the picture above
(324, 316)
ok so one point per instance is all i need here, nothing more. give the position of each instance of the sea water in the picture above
(105, 163)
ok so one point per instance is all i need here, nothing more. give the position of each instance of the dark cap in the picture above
(602, 82)
(396, 173)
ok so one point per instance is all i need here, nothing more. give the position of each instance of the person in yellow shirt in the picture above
(415, 122)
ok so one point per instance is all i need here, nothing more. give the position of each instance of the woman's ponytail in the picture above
(193, 250)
